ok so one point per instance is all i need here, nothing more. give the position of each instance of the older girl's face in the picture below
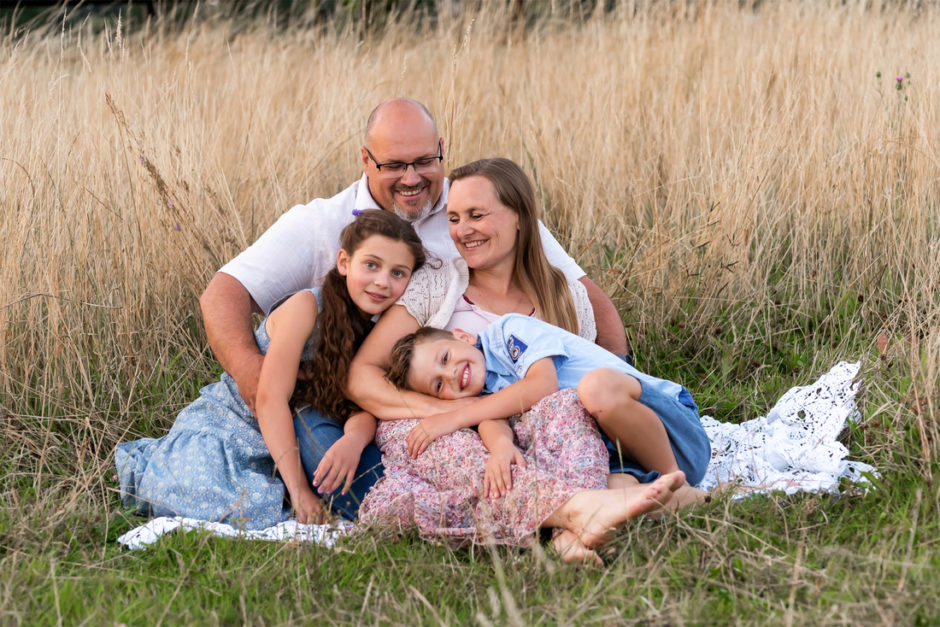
(377, 273)
(484, 229)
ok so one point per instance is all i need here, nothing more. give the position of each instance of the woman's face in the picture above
(484, 229)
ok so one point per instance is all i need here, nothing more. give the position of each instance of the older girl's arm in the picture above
(340, 461)
(289, 327)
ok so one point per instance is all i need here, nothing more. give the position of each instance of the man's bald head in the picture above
(402, 158)
(397, 110)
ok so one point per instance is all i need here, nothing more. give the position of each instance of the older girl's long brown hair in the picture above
(341, 326)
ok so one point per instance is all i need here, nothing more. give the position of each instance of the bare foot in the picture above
(687, 495)
(591, 515)
(617, 480)
(573, 551)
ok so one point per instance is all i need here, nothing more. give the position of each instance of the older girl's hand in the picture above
(338, 466)
(308, 507)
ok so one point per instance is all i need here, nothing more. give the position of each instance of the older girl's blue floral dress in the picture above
(212, 465)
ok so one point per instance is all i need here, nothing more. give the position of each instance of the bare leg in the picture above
(613, 398)
(685, 495)
(592, 514)
(617, 480)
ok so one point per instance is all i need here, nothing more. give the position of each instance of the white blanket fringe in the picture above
(290, 530)
(794, 448)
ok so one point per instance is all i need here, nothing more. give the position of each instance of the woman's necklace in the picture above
(520, 304)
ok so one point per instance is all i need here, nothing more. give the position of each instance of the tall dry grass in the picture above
(704, 163)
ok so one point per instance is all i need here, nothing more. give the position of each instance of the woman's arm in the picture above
(540, 381)
(367, 386)
(610, 332)
(289, 327)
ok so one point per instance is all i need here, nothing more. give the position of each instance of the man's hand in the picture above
(338, 466)
(429, 430)
(246, 378)
(308, 507)
(497, 477)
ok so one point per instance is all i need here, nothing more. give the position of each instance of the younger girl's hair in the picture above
(543, 283)
(341, 326)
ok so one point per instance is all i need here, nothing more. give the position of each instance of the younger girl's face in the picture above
(377, 273)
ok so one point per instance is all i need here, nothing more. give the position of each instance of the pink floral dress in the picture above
(440, 493)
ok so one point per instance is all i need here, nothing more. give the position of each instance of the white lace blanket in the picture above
(794, 448)
(290, 530)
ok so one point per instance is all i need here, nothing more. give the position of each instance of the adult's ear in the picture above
(342, 261)
(464, 336)
(365, 158)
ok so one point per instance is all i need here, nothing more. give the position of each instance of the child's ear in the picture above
(463, 336)
(342, 262)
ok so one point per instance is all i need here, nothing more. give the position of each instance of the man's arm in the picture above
(610, 331)
(226, 312)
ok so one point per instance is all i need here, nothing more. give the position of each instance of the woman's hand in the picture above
(497, 477)
(338, 465)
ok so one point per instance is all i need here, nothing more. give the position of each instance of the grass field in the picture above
(758, 189)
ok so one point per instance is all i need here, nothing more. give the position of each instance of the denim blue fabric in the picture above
(212, 465)
(316, 433)
(687, 437)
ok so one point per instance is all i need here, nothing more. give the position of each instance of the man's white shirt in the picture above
(298, 250)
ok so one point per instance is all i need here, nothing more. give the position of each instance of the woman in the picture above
(502, 269)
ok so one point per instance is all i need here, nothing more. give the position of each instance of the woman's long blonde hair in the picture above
(543, 283)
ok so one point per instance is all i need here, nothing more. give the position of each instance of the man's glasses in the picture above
(398, 168)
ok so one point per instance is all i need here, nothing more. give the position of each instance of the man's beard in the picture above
(406, 215)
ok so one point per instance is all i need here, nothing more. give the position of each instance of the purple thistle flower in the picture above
(899, 79)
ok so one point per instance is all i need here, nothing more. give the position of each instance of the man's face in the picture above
(447, 369)
(404, 139)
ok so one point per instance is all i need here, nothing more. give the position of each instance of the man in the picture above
(403, 171)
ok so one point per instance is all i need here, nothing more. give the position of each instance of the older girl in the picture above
(218, 461)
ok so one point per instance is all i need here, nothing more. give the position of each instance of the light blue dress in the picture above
(515, 342)
(212, 465)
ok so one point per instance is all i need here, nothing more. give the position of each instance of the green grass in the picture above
(824, 559)
(860, 557)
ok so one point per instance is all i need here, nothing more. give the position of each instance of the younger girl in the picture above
(218, 461)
